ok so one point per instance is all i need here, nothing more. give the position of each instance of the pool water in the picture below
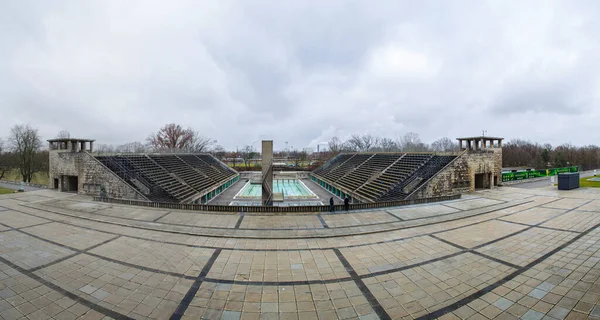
(291, 189)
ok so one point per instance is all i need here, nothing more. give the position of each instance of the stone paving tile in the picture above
(377, 258)
(575, 220)
(418, 291)
(19, 220)
(149, 254)
(133, 213)
(342, 300)
(564, 285)
(527, 246)
(200, 219)
(128, 291)
(344, 220)
(593, 205)
(22, 296)
(566, 203)
(473, 204)
(280, 222)
(69, 235)
(535, 215)
(417, 212)
(278, 266)
(504, 195)
(30, 198)
(80, 206)
(28, 252)
(481, 233)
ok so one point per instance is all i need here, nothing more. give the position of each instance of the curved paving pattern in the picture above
(501, 254)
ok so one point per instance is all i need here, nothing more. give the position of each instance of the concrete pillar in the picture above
(91, 146)
(499, 143)
(267, 172)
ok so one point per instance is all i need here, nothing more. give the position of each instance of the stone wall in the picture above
(91, 175)
(63, 163)
(459, 175)
(454, 179)
(96, 174)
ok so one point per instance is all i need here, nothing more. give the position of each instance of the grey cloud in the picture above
(300, 71)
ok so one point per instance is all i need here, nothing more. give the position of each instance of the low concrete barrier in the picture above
(33, 185)
(263, 209)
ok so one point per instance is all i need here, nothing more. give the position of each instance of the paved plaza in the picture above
(507, 253)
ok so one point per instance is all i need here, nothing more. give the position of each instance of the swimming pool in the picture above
(291, 189)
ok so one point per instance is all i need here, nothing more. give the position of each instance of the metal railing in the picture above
(270, 209)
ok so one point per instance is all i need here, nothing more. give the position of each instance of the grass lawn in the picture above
(5, 191)
(38, 177)
(583, 182)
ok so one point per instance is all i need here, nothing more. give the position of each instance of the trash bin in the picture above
(568, 181)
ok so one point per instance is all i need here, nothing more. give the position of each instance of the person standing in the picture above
(331, 205)
(347, 203)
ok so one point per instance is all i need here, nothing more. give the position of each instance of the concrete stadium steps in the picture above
(203, 163)
(349, 165)
(169, 177)
(334, 163)
(122, 167)
(162, 177)
(195, 178)
(381, 176)
(425, 172)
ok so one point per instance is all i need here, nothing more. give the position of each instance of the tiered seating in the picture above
(400, 170)
(367, 170)
(433, 166)
(195, 178)
(169, 177)
(198, 163)
(334, 163)
(381, 176)
(161, 177)
(216, 164)
(339, 171)
(124, 169)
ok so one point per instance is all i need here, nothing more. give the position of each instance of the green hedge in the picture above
(512, 176)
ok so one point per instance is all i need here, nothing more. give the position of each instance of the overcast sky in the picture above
(302, 71)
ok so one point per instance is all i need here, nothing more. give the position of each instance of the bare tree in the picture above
(7, 160)
(63, 134)
(247, 154)
(356, 143)
(173, 137)
(388, 145)
(199, 143)
(7, 163)
(25, 142)
(444, 144)
(368, 142)
(411, 142)
(104, 148)
(335, 145)
(219, 152)
(133, 147)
